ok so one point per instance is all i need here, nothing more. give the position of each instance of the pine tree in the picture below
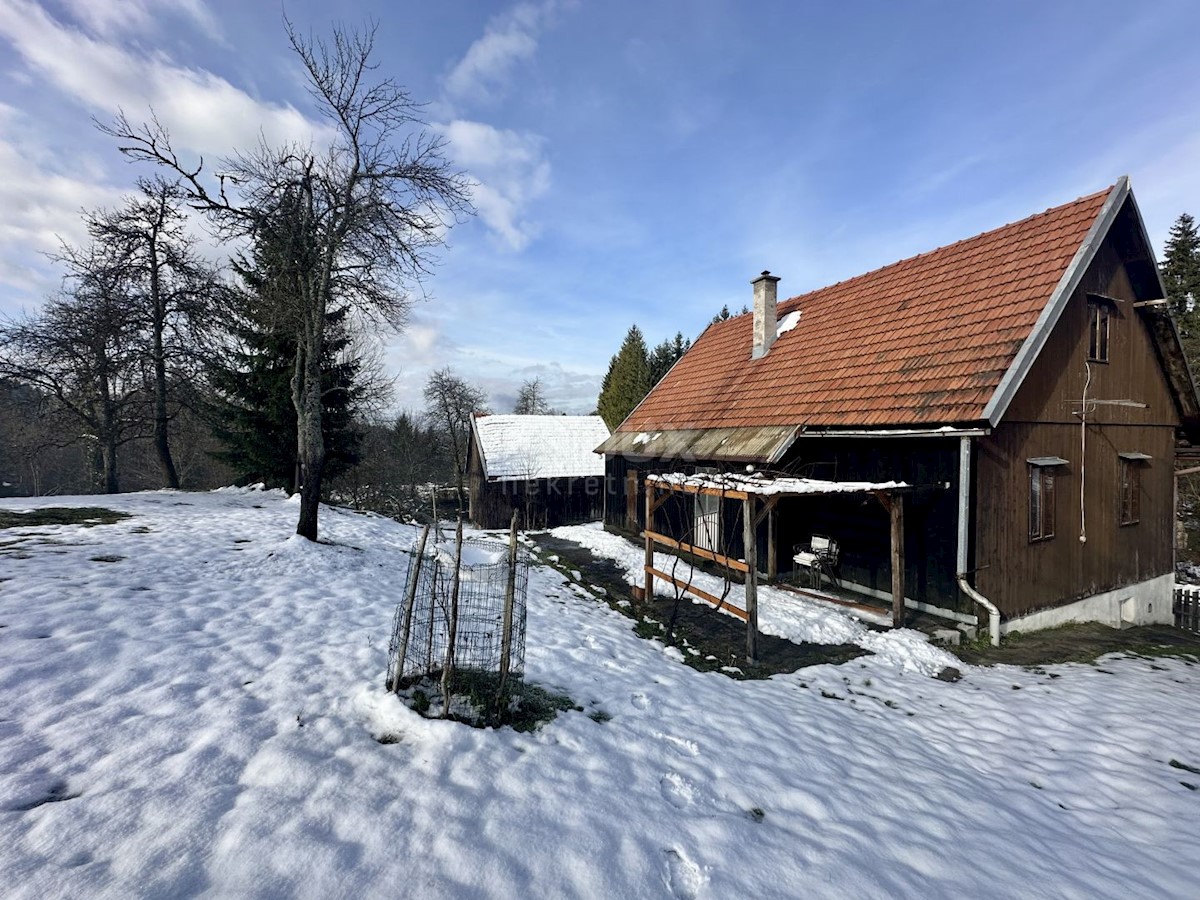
(627, 381)
(1181, 278)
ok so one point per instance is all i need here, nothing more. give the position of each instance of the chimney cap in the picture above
(765, 276)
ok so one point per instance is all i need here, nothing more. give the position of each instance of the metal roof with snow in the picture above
(520, 448)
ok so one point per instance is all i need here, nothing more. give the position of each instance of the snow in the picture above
(516, 448)
(788, 322)
(203, 714)
(765, 486)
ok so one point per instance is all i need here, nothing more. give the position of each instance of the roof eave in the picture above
(1007, 389)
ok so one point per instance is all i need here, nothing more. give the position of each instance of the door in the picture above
(708, 521)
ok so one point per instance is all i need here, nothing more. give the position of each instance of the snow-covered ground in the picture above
(199, 695)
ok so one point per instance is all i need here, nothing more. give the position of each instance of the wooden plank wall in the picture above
(1020, 576)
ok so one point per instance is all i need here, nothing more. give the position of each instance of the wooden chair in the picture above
(819, 557)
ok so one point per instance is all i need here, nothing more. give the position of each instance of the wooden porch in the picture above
(759, 495)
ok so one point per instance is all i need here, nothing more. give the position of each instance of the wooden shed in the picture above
(541, 467)
(1027, 384)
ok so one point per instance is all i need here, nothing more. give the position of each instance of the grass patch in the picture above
(474, 701)
(1083, 643)
(87, 516)
(1176, 764)
(106, 558)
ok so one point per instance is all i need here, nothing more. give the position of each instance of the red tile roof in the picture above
(922, 342)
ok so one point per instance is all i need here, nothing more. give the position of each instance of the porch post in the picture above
(751, 551)
(649, 559)
(772, 550)
(896, 508)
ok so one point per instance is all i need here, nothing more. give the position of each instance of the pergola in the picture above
(759, 494)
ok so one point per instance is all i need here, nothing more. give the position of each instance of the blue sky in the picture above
(636, 161)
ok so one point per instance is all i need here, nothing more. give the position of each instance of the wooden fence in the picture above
(1187, 607)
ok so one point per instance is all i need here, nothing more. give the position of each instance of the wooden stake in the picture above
(510, 590)
(751, 549)
(448, 666)
(409, 600)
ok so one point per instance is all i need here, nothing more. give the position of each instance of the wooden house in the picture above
(1026, 384)
(542, 467)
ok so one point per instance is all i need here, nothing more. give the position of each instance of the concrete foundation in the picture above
(1145, 603)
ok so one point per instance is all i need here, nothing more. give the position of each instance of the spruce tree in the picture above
(627, 381)
(665, 355)
(254, 413)
(1181, 278)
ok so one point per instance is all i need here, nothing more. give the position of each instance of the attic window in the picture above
(1098, 314)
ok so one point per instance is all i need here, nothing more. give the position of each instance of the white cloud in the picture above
(203, 112)
(41, 203)
(510, 171)
(110, 18)
(508, 39)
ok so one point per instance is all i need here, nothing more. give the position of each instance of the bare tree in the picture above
(172, 287)
(450, 402)
(82, 351)
(360, 217)
(531, 399)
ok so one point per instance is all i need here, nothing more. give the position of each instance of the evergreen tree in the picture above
(726, 314)
(255, 413)
(1181, 278)
(666, 355)
(627, 380)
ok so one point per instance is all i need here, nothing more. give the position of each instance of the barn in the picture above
(541, 467)
(1025, 385)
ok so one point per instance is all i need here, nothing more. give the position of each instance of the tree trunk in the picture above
(108, 451)
(161, 443)
(310, 443)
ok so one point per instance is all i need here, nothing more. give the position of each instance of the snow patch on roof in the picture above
(764, 485)
(516, 448)
(790, 321)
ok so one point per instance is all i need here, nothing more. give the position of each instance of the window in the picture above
(1131, 486)
(1097, 331)
(1041, 502)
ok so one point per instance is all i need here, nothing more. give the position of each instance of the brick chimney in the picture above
(765, 324)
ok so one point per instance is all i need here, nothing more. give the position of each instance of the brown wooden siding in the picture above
(1020, 576)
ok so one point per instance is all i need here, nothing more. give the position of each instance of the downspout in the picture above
(964, 519)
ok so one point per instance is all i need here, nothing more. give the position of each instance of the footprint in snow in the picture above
(684, 878)
(640, 701)
(677, 790)
(682, 746)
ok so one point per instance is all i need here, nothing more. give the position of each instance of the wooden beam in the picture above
(651, 488)
(727, 561)
(691, 589)
(751, 553)
(707, 491)
(896, 508)
(649, 529)
(768, 505)
(772, 540)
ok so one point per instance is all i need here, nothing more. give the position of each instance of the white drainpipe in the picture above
(964, 518)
